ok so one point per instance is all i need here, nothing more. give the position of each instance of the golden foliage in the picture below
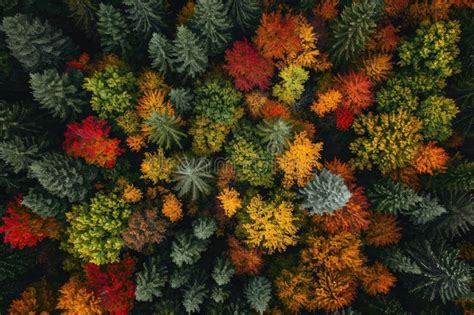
(153, 101)
(129, 122)
(246, 261)
(150, 80)
(293, 289)
(378, 67)
(327, 102)
(172, 207)
(157, 167)
(430, 159)
(35, 300)
(377, 279)
(255, 102)
(75, 299)
(298, 162)
(230, 201)
(383, 230)
(135, 142)
(132, 194)
(186, 13)
(333, 291)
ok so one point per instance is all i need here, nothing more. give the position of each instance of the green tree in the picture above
(192, 178)
(36, 44)
(194, 295)
(245, 13)
(437, 113)
(275, 134)
(60, 94)
(393, 197)
(186, 249)
(150, 281)
(113, 30)
(19, 153)
(18, 120)
(147, 16)
(223, 271)
(160, 49)
(164, 130)
(258, 293)
(291, 87)
(188, 55)
(43, 203)
(204, 227)
(181, 98)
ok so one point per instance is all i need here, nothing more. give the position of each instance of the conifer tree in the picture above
(147, 16)
(245, 13)
(223, 271)
(258, 293)
(113, 30)
(191, 177)
(194, 295)
(204, 227)
(150, 281)
(60, 94)
(186, 249)
(18, 120)
(275, 134)
(19, 153)
(36, 44)
(391, 197)
(181, 99)
(188, 55)
(164, 130)
(63, 176)
(159, 49)
(43, 203)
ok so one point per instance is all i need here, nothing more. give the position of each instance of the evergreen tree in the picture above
(18, 119)
(147, 16)
(194, 295)
(258, 293)
(186, 249)
(245, 13)
(188, 55)
(223, 271)
(164, 130)
(60, 94)
(459, 216)
(191, 177)
(113, 30)
(458, 177)
(19, 153)
(63, 176)
(352, 30)
(220, 294)
(181, 98)
(275, 134)
(43, 203)
(160, 50)
(150, 281)
(426, 210)
(393, 197)
(212, 22)
(204, 227)
(83, 13)
(36, 44)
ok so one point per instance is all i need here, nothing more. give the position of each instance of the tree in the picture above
(246, 261)
(194, 296)
(147, 16)
(258, 293)
(377, 279)
(191, 177)
(275, 134)
(18, 120)
(163, 129)
(43, 203)
(113, 30)
(223, 271)
(181, 98)
(59, 93)
(186, 249)
(326, 193)
(383, 230)
(172, 208)
(204, 227)
(157, 167)
(36, 44)
(436, 114)
(430, 159)
(36, 299)
(356, 91)
(63, 176)
(187, 54)
(327, 102)
(19, 153)
(352, 30)
(150, 281)
(212, 22)
(144, 228)
(245, 13)
(291, 87)
(160, 49)
(230, 201)
(393, 197)
(75, 298)
(208, 135)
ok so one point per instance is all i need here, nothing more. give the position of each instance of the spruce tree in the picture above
(113, 30)
(275, 134)
(18, 119)
(19, 153)
(186, 249)
(393, 197)
(194, 295)
(426, 210)
(212, 22)
(188, 55)
(164, 130)
(60, 94)
(37, 45)
(63, 176)
(147, 16)
(223, 271)
(459, 216)
(258, 293)
(43, 203)
(245, 13)
(159, 50)
(150, 281)
(204, 227)
(191, 177)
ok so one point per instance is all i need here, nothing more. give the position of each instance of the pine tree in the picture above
(181, 98)
(60, 94)
(113, 30)
(36, 44)
(43, 203)
(223, 271)
(194, 295)
(160, 49)
(426, 210)
(150, 281)
(63, 176)
(220, 294)
(352, 30)
(275, 134)
(188, 55)
(258, 293)
(19, 153)
(245, 13)
(204, 227)
(459, 217)
(393, 197)
(212, 22)
(147, 16)
(186, 249)
(458, 177)
(83, 13)
(164, 130)
(19, 120)
(191, 177)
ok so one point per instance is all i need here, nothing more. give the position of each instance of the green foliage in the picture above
(64, 176)
(252, 162)
(352, 30)
(164, 130)
(391, 197)
(181, 98)
(59, 93)
(275, 134)
(426, 210)
(36, 44)
(458, 177)
(459, 218)
(18, 119)
(159, 50)
(437, 114)
(245, 13)
(113, 30)
(186, 249)
(113, 91)
(188, 55)
(43, 203)
(212, 22)
(147, 16)
(204, 227)
(291, 87)
(19, 153)
(83, 13)
(192, 177)
(181, 276)
(258, 293)
(433, 49)
(223, 271)
(396, 97)
(462, 90)
(150, 281)
(220, 294)
(95, 229)
(194, 295)
(326, 193)
(217, 99)
(208, 136)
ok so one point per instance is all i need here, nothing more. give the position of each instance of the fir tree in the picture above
(19, 120)
(83, 13)
(212, 22)
(458, 177)
(43, 203)
(191, 177)
(459, 217)
(393, 197)
(19, 153)
(204, 227)
(245, 13)
(147, 16)
(186, 249)
(426, 210)
(63, 176)
(60, 94)
(181, 98)
(113, 30)
(223, 271)
(275, 134)
(258, 293)
(220, 294)
(188, 55)
(160, 50)
(36, 44)
(164, 130)
(352, 30)
(194, 295)
(150, 281)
